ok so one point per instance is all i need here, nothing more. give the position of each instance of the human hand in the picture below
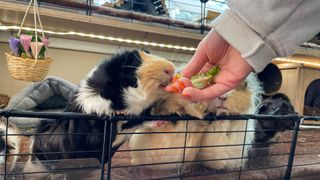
(213, 50)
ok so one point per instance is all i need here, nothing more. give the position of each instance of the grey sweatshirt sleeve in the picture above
(264, 29)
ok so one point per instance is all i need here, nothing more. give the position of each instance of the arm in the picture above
(247, 37)
(263, 29)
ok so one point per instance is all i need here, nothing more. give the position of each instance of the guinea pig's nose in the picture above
(171, 78)
(169, 72)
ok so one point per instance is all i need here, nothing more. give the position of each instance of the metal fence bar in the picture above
(195, 132)
(87, 8)
(294, 140)
(223, 145)
(105, 136)
(5, 149)
(90, 7)
(81, 116)
(181, 169)
(110, 150)
(203, 15)
(243, 147)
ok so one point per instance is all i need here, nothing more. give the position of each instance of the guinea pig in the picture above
(277, 104)
(173, 104)
(16, 144)
(127, 83)
(268, 131)
(224, 143)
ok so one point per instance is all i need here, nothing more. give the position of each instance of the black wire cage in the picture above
(116, 166)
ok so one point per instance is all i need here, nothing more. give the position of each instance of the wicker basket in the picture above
(27, 69)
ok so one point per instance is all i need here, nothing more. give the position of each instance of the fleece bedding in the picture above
(50, 95)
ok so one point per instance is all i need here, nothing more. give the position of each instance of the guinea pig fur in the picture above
(127, 83)
(277, 104)
(16, 144)
(269, 131)
(242, 100)
(174, 104)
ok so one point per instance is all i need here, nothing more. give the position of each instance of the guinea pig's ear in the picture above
(271, 79)
(11, 146)
(146, 50)
(145, 56)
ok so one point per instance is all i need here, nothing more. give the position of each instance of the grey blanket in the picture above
(49, 95)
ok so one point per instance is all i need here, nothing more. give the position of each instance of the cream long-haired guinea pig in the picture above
(168, 138)
(242, 100)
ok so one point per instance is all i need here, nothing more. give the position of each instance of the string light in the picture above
(138, 42)
(110, 38)
(297, 61)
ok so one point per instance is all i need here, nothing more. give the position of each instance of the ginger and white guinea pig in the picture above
(175, 137)
(241, 100)
(16, 144)
(127, 83)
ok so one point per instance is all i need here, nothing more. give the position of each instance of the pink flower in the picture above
(45, 41)
(25, 42)
(35, 48)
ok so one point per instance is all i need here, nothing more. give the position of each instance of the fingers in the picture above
(233, 72)
(210, 50)
(197, 62)
(209, 93)
(206, 67)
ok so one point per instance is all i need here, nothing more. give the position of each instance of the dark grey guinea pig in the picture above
(277, 104)
(267, 131)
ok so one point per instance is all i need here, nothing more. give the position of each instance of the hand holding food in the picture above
(199, 81)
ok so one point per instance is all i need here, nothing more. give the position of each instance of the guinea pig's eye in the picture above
(166, 71)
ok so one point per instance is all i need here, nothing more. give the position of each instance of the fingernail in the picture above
(188, 96)
(171, 89)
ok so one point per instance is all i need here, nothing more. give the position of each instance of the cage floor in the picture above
(306, 163)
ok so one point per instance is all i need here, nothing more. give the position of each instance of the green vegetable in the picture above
(202, 80)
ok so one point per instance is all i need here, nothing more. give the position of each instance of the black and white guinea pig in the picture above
(277, 104)
(224, 143)
(173, 104)
(127, 83)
